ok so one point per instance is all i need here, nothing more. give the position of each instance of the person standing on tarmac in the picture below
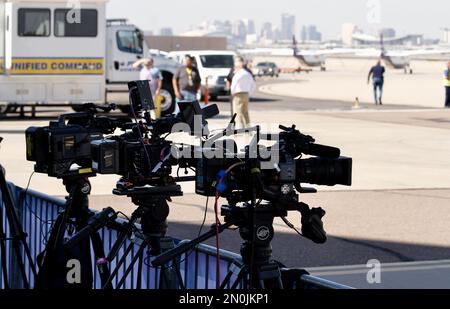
(230, 76)
(377, 74)
(187, 81)
(447, 85)
(242, 86)
(152, 74)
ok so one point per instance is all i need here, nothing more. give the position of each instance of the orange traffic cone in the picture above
(356, 103)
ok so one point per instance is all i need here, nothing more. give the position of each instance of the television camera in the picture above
(259, 189)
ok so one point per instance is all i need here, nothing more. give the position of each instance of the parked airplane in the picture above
(310, 58)
(397, 59)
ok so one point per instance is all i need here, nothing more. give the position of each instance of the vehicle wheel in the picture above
(11, 108)
(213, 97)
(77, 108)
(168, 94)
(125, 109)
(4, 108)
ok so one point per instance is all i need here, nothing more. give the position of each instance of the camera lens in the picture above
(325, 172)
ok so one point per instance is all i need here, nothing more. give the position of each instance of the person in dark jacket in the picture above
(377, 75)
(447, 85)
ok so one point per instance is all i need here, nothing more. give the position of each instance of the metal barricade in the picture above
(197, 268)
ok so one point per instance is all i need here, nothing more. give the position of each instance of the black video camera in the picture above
(141, 155)
(229, 175)
(83, 143)
(63, 148)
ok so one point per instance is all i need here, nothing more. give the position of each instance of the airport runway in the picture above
(396, 212)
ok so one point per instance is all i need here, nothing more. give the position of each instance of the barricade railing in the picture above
(197, 268)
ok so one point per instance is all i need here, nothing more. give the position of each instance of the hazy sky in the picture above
(406, 16)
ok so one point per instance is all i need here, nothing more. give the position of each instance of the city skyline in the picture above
(329, 21)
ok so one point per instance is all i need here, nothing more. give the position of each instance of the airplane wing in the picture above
(289, 52)
(267, 52)
(425, 52)
(376, 53)
(331, 52)
(367, 53)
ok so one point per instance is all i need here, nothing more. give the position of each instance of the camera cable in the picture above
(42, 221)
(139, 131)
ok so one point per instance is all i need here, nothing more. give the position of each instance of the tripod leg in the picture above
(270, 273)
(139, 276)
(3, 253)
(170, 277)
(130, 267)
(118, 266)
(239, 278)
(17, 234)
(99, 255)
(180, 279)
(240, 275)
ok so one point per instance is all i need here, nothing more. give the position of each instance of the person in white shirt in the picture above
(242, 85)
(152, 74)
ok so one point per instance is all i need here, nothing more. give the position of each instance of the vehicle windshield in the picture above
(217, 61)
(130, 41)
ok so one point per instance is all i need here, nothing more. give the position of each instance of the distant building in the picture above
(267, 31)
(347, 32)
(239, 30)
(287, 26)
(309, 33)
(174, 43)
(166, 32)
(388, 33)
(251, 39)
(250, 26)
(445, 36)
(276, 33)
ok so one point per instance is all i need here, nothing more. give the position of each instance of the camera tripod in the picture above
(152, 212)
(257, 270)
(53, 261)
(18, 239)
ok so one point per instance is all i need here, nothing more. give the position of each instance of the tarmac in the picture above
(395, 212)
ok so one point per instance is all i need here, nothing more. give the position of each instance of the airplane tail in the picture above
(294, 45)
(382, 49)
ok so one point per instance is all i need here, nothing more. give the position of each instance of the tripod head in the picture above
(153, 211)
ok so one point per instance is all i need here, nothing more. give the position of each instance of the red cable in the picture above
(216, 211)
(217, 243)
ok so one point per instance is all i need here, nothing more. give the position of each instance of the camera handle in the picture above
(90, 110)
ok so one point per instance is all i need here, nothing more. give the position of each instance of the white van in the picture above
(213, 66)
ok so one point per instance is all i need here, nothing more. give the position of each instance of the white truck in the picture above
(214, 67)
(53, 54)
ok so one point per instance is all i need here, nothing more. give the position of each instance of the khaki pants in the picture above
(240, 107)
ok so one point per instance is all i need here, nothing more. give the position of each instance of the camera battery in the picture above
(105, 156)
